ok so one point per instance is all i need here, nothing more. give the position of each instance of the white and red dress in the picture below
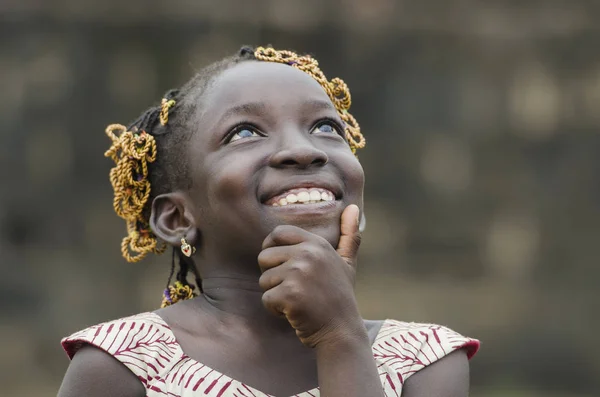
(145, 344)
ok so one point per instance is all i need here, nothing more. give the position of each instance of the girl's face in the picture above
(267, 131)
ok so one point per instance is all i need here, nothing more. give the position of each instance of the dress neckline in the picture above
(255, 391)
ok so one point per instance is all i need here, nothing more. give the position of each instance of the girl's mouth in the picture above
(304, 196)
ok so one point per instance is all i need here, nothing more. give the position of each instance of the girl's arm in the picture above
(312, 285)
(448, 377)
(346, 367)
(94, 373)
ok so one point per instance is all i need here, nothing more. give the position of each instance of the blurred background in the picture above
(483, 167)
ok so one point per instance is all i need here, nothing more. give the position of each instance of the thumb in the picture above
(349, 234)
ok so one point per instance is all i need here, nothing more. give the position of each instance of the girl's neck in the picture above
(239, 297)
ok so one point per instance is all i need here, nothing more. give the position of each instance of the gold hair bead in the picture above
(165, 105)
(175, 293)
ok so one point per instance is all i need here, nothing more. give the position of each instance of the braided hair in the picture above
(147, 160)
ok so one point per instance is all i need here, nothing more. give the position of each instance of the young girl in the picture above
(249, 173)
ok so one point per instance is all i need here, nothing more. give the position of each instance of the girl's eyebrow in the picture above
(249, 109)
(318, 104)
(261, 109)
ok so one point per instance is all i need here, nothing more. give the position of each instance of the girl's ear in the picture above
(171, 219)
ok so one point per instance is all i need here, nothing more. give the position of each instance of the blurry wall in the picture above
(482, 164)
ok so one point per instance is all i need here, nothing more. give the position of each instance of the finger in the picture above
(272, 302)
(271, 278)
(286, 235)
(273, 256)
(349, 234)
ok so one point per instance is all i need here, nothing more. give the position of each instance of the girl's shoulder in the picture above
(425, 337)
(143, 342)
(404, 348)
(120, 334)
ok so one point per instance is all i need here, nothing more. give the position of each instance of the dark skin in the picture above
(278, 281)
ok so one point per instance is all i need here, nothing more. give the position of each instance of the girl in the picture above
(249, 173)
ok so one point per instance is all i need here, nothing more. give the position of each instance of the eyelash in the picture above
(242, 126)
(334, 123)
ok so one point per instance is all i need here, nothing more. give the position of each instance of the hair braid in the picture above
(181, 289)
(132, 150)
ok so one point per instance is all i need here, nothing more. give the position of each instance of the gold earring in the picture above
(186, 248)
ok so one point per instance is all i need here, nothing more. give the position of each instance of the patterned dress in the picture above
(145, 344)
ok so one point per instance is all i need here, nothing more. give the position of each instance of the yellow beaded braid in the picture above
(175, 293)
(336, 89)
(132, 151)
(164, 110)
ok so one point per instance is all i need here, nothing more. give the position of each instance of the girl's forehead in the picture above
(263, 81)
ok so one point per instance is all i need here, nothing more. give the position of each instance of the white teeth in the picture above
(306, 196)
(291, 198)
(303, 197)
(315, 195)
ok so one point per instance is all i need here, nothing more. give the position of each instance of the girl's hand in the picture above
(310, 283)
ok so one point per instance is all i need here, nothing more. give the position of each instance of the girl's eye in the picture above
(326, 127)
(241, 133)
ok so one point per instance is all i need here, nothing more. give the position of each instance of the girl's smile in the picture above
(302, 196)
